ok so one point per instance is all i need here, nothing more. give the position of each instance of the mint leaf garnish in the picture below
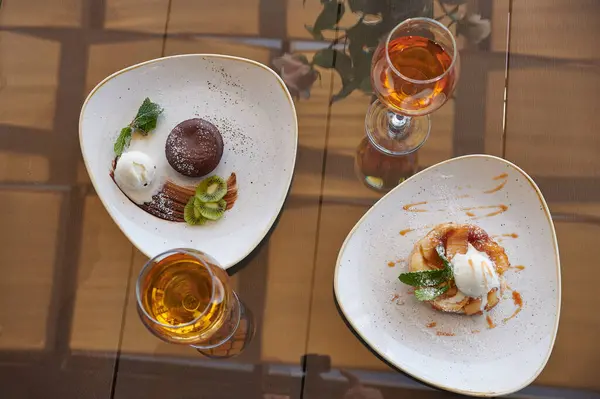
(146, 117)
(430, 293)
(429, 280)
(425, 278)
(123, 140)
(144, 122)
(442, 254)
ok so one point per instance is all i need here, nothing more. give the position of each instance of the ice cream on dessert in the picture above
(134, 174)
(474, 274)
(457, 268)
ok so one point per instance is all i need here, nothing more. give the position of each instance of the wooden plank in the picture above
(15, 167)
(29, 70)
(136, 15)
(41, 13)
(550, 128)
(199, 44)
(30, 223)
(28, 81)
(228, 17)
(305, 12)
(555, 28)
(102, 64)
(574, 356)
(103, 271)
(550, 133)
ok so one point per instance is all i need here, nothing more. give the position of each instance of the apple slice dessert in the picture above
(458, 269)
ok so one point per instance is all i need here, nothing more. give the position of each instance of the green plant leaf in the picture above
(122, 141)
(430, 293)
(324, 58)
(144, 122)
(367, 35)
(424, 278)
(365, 85)
(315, 35)
(330, 15)
(146, 117)
(329, 58)
(347, 88)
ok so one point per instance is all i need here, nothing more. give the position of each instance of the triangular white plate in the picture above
(475, 360)
(254, 112)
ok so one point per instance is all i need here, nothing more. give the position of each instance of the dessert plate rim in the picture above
(398, 364)
(290, 173)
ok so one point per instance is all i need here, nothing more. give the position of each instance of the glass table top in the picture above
(68, 324)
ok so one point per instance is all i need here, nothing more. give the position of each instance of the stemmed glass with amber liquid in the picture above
(184, 297)
(413, 73)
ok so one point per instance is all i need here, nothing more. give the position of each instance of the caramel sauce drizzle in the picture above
(486, 270)
(500, 186)
(502, 237)
(472, 266)
(444, 334)
(431, 325)
(393, 263)
(518, 301)
(411, 207)
(518, 267)
(497, 188)
(490, 322)
(406, 231)
(499, 209)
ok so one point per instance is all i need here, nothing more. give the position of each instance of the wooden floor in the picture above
(75, 269)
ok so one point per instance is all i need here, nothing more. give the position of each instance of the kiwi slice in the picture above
(197, 204)
(211, 189)
(190, 215)
(212, 210)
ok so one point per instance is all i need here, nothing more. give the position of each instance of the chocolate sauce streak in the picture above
(168, 204)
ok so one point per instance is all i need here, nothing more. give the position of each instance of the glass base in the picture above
(394, 134)
(233, 337)
(382, 172)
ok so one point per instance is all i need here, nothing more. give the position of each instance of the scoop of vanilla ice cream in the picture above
(135, 170)
(474, 273)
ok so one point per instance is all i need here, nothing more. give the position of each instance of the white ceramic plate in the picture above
(254, 112)
(476, 360)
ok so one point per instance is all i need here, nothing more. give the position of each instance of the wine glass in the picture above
(413, 73)
(184, 297)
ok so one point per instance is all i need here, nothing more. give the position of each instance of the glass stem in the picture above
(398, 125)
